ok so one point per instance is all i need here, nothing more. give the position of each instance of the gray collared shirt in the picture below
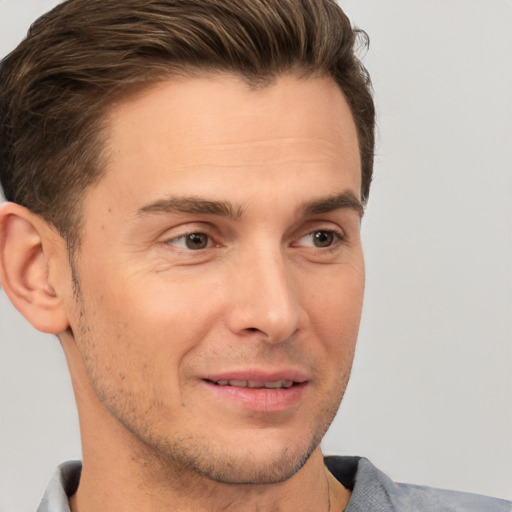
(372, 491)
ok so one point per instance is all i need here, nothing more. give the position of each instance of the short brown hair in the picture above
(84, 55)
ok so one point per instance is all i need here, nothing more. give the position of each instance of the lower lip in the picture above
(260, 399)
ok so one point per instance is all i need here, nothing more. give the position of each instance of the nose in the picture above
(264, 298)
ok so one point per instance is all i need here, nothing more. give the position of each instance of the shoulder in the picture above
(63, 484)
(373, 490)
(427, 498)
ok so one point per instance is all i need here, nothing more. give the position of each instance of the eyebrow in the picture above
(328, 204)
(193, 204)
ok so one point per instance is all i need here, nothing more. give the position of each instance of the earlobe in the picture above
(25, 249)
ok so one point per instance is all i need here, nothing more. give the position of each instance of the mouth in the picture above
(254, 384)
(258, 392)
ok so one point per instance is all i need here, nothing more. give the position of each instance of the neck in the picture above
(126, 483)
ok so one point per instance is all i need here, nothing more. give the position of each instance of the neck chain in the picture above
(328, 492)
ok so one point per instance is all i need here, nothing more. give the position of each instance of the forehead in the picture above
(191, 133)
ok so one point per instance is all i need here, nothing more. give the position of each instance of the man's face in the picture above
(222, 273)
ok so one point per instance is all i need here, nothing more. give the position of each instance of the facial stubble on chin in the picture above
(184, 459)
(181, 458)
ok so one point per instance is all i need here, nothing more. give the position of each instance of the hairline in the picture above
(101, 123)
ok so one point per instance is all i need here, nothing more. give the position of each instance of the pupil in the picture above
(323, 238)
(197, 241)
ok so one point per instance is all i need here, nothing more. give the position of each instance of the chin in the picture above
(250, 464)
(253, 469)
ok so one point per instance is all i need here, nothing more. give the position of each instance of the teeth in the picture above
(279, 384)
(238, 383)
(256, 384)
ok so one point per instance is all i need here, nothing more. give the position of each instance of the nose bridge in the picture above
(266, 298)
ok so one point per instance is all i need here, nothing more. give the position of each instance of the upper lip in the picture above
(259, 375)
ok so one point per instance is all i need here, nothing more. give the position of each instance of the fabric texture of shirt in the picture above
(372, 491)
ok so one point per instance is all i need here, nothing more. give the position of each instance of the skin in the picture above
(270, 288)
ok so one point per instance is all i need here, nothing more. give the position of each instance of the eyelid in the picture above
(314, 225)
(320, 224)
(184, 230)
(339, 237)
(184, 238)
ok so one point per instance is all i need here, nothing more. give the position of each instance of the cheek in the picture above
(157, 324)
(175, 312)
(335, 306)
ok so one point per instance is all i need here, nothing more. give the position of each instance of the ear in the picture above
(26, 246)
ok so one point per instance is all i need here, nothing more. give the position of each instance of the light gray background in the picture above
(431, 394)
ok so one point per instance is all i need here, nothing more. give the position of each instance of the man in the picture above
(185, 183)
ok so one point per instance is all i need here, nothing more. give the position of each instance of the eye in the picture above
(191, 241)
(320, 238)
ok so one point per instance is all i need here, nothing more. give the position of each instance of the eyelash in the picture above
(337, 238)
(187, 236)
